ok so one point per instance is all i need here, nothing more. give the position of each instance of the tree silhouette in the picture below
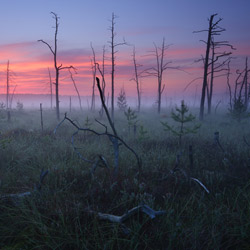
(57, 68)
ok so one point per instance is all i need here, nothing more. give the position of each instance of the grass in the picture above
(58, 217)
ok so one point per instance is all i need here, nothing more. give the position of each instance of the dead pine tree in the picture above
(7, 86)
(51, 91)
(246, 85)
(58, 68)
(159, 69)
(210, 62)
(113, 46)
(8, 90)
(102, 73)
(240, 94)
(93, 67)
(136, 78)
(9, 96)
(77, 91)
(217, 65)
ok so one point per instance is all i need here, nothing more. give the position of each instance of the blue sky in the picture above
(140, 22)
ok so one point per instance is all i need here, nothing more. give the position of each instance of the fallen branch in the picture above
(112, 138)
(121, 219)
(200, 183)
(15, 198)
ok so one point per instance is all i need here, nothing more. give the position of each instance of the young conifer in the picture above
(180, 116)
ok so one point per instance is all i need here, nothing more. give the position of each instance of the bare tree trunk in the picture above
(229, 86)
(57, 95)
(161, 66)
(113, 66)
(113, 46)
(246, 94)
(210, 89)
(94, 79)
(136, 79)
(57, 68)
(103, 74)
(204, 85)
(78, 94)
(51, 92)
(7, 85)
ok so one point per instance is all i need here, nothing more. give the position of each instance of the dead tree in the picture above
(9, 97)
(93, 67)
(159, 69)
(58, 68)
(213, 30)
(113, 46)
(102, 72)
(217, 66)
(238, 102)
(246, 85)
(136, 79)
(51, 91)
(78, 94)
(7, 85)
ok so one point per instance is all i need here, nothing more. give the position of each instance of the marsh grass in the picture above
(58, 218)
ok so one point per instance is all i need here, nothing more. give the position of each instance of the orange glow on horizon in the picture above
(29, 67)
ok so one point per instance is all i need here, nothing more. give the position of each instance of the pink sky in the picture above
(29, 64)
(24, 22)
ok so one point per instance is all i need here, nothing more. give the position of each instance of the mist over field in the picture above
(124, 125)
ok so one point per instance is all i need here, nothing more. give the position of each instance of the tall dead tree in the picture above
(93, 67)
(77, 91)
(213, 30)
(217, 65)
(102, 72)
(210, 30)
(8, 85)
(51, 91)
(58, 68)
(159, 69)
(239, 99)
(136, 79)
(246, 85)
(113, 46)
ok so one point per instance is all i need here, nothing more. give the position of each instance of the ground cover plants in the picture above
(64, 204)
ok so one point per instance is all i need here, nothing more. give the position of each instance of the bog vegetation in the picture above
(62, 194)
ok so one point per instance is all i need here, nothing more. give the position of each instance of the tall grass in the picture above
(58, 216)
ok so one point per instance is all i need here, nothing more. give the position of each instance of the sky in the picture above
(142, 23)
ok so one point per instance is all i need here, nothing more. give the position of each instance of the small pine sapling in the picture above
(239, 110)
(182, 118)
(142, 133)
(19, 106)
(131, 118)
(121, 100)
(87, 125)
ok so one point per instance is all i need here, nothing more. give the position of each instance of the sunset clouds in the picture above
(142, 26)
